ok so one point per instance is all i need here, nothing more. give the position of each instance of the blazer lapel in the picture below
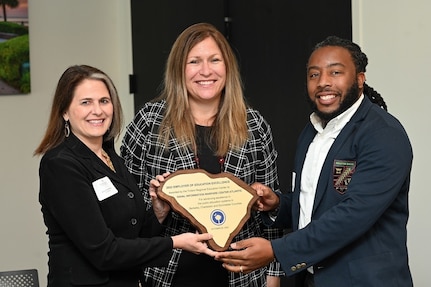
(304, 141)
(87, 156)
(345, 133)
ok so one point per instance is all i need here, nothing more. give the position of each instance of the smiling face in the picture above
(90, 112)
(332, 82)
(205, 71)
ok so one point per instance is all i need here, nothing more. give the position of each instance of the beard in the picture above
(351, 97)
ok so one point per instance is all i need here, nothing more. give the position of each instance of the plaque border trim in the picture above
(185, 213)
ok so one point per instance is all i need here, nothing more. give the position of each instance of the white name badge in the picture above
(104, 188)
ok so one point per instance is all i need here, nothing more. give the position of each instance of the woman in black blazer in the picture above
(99, 232)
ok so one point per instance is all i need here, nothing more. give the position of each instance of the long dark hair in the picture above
(63, 96)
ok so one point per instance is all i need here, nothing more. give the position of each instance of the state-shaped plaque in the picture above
(219, 204)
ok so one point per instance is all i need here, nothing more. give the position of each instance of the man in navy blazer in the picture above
(348, 208)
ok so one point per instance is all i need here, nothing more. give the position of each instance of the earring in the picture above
(66, 129)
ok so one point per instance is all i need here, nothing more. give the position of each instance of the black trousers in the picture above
(309, 280)
(304, 279)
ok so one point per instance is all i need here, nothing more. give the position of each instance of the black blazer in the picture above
(96, 242)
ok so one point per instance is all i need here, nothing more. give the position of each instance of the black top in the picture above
(193, 269)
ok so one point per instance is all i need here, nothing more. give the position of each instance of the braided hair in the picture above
(360, 60)
(375, 97)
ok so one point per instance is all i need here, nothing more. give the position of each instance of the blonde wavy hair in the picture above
(229, 130)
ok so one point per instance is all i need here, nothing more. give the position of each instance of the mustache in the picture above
(351, 95)
(326, 90)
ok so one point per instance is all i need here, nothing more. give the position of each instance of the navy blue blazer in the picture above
(96, 242)
(357, 236)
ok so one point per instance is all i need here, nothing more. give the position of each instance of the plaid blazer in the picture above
(146, 157)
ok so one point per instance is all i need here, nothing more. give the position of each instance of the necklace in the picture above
(108, 160)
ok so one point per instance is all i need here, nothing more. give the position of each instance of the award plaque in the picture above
(218, 204)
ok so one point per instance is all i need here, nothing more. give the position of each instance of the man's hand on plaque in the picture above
(219, 204)
(268, 200)
(247, 255)
(161, 208)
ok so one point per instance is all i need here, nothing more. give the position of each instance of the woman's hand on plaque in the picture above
(161, 208)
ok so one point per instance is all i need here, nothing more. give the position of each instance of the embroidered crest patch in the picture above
(342, 174)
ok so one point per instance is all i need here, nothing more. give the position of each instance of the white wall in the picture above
(395, 34)
(62, 33)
